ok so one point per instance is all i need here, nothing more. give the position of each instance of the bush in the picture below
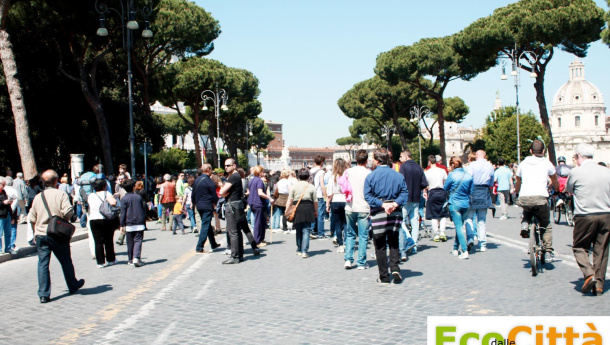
(172, 160)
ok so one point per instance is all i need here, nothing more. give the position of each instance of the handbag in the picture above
(108, 211)
(446, 204)
(58, 227)
(293, 212)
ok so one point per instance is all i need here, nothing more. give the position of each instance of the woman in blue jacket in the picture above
(458, 186)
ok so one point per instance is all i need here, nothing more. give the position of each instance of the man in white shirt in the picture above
(436, 197)
(357, 212)
(532, 180)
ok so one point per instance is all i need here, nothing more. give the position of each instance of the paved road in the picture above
(179, 297)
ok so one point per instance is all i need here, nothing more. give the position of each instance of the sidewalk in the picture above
(25, 249)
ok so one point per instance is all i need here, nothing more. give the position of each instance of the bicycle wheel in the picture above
(533, 250)
(569, 213)
(556, 212)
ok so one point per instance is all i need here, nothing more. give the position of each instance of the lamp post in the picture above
(219, 99)
(419, 112)
(515, 58)
(387, 131)
(127, 15)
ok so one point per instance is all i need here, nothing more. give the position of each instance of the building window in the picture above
(559, 122)
(596, 120)
(577, 121)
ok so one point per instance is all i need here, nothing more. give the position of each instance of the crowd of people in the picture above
(376, 200)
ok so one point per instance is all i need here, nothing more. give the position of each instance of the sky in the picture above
(307, 54)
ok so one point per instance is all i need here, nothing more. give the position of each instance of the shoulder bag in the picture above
(58, 227)
(108, 211)
(290, 216)
(446, 204)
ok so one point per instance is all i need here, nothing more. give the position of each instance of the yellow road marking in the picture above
(121, 303)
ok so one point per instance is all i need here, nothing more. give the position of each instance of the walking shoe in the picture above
(173, 232)
(483, 248)
(230, 261)
(373, 254)
(286, 232)
(129, 263)
(525, 233)
(201, 252)
(323, 237)
(196, 231)
(414, 250)
(404, 258)
(470, 245)
(455, 252)
(79, 284)
(299, 253)
(436, 238)
(214, 246)
(411, 244)
(112, 263)
(335, 242)
(120, 243)
(45, 299)
(256, 252)
(312, 236)
(383, 282)
(589, 284)
(347, 265)
(137, 262)
(263, 244)
(363, 267)
(397, 277)
(464, 255)
(549, 257)
(341, 249)
(276, 231)
(227, 251)
(305, 255)
(443, 237)
(101, 266)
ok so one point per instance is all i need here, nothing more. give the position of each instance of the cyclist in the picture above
(562, 170)
(532, 179)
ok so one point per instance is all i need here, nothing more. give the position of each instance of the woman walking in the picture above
(336, 203)
(133, 222)
(188, 192)
(102, 228)
(458, 186)
(280, 193)
(256, 196)
(303, 197)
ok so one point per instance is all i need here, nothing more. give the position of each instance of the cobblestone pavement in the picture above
(179, 297)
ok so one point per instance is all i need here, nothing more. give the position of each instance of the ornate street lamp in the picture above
(127, 15)
(419, 112)
(219, 100)
(515, 59)
(387, 131)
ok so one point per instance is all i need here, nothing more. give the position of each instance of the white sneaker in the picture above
(305, 255)
(277, 231)
(483, 249)
(363, 267)
(464, 255)
(287, 232)
(112, 263)
(348, 265)
(455, 252)
(227, 251)
(341, 249)
(292, 232)
(101, 266)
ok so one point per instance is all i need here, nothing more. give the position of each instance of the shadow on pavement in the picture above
(408, 273)
(95, 290)
(146, 263)
(318, 252)
(422, 247)
(149, 239)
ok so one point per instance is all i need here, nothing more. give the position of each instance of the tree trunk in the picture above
(441, 127)
(401, 134)
(102, 124)
(544, 115)
(22, 128)
(211, 135)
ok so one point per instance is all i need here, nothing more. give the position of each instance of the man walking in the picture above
(385, 191)
(235, 214)
(504, 177)
(482, 173)
(20, 188)
(436, 196)
(318, 181)
(416, 182)
(357, 213)
(58, 204)
(204, 199)
(590, 184)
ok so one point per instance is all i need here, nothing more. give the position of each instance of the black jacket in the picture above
(204, 195)
(415, 178)
(133, 210)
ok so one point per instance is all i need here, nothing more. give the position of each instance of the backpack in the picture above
(108, 211)
(85, 182)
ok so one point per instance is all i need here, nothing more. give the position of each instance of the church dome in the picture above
(577, 92)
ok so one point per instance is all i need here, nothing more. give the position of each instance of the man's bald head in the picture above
(206, 168)
(49, 178)
(480, 154)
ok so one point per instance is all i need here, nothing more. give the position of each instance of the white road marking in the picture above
(509, 242)
(162, 338)
(204, 289)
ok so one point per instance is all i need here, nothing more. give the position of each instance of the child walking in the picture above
(178, 210)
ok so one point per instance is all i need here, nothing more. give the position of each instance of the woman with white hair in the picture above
(6, 201)
(280, 193)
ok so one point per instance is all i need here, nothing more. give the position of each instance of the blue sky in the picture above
(307, 54)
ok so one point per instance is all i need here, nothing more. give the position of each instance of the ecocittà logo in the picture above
(518, 330)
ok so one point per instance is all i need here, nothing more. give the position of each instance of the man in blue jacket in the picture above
(385, 190)
(204, 198)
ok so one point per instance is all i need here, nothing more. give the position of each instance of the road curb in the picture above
(27, 251)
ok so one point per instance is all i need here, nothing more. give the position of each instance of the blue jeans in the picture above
(5, 230)
(458, 215)
(191, 214)
(481, 215)
(278, 212)
(357, 223)
(302, 236)
(45, 246)
(206, 219)
(321, 212)
(410, 213)
(337, 220)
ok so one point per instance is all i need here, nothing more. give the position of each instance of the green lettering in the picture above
(440, 335)
(488, 336)
(465, 337)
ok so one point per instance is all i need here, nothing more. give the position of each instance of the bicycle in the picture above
(563, 204)
(536, 251)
